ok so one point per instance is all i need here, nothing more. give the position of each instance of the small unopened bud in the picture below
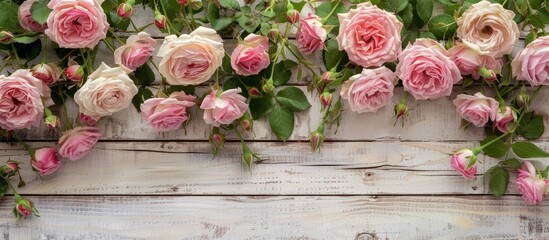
(292, 16)
(217, 140)
(5, 37)
(523, 99)
(326, 77)
(254, 92)
(183, 3)
(51, 121)
(247, 122)
(488, 75)
(269, 87)
(326, 99)
(125, 10)
(316, 140)
(160, 20)
(273, 33)
(196, 4)
(74, 73)
(401, 111)
(23, 207)
(10, 168)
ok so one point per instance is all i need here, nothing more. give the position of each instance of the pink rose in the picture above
(46, 161)
(137, 50)
(48, 73)
(460, 162)
(369, 35)
(426, 70)
(74, 73)
(469, 60)
(88, 120)
(311, 35)
(477, 109)
(224, 108)
(505, 119)
(166, 114)
(532, 62)
(77, 23)
(370, 90)
(529, 185)
(25, 18)
(250, 57)
(20, 101)
(192, 58)
(43, 89)
(78, 142)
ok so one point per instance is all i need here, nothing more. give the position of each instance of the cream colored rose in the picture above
(489, 28)
(192, 58)
(107, 90)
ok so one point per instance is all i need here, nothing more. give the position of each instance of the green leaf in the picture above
(283, 72)
(324, 9)
(281, 121)
(427, 35)
(222, 23)
(528, 150)
(497, 149)
(332, 55)
(512, 163)
(293, 98)
(443, 26)
(226, 66)
(142, 94)
(531, 126)
(407, 15)
(25, 39)
(8, 19)
(249, 24)
(40, 11)
(499, 179)
(425, 9)
(144, 75)
(230, 4)
(212, 12)
(261, 106)
(3, 187)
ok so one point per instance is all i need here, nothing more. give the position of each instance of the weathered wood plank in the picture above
(356, 217)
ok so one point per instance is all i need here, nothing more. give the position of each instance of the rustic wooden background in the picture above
(370, 181)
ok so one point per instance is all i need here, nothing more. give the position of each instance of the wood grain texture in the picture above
(356, 217)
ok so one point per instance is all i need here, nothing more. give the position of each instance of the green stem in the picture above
(116, 36)
(478, 149)
(5, 63)
(65, 112)
(27, 147)
(44, 49)
(16, 55)
(7, 180)
(108, 45)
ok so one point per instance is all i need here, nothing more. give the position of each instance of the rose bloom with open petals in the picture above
(469, 60)
(191, 59)
(310, 35)
(530, 185)
(77, 23)
(225, 108)
(369, 35)
(370, 90)
(137, 50)
(477, 109)
(505, 119)
(25, 18)
(426, 70)
(107, 90)
(166, 114)
(46, 161)
(461, 159)
(76, 143)
(20, 101)
(532, 62)
(250, 56)
(489, 28)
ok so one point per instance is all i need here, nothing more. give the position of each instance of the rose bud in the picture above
(247, 122)
(125, 10)
(48, 73)
(326, 99)
(464, 161)
(216, 140)
(401, 112)
(51, 121)
(292, 16)
(74, 72)
(196, 4)
(183, 2)
(160, 20)
(10, 168)
(268, 87)
(254, 92)
(530, 184)
(273, 33)
(523, 99)
(5, 37)
(46, 161)
(88, 120)
(505, 119)
(23, 207)
(316, 139)
(488, 75)
(326, 77)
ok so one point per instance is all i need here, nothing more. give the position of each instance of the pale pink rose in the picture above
(20, 102)
(192, 58)
(505, 119)
(48, 73)
(532, 62)
(489, 28)
(250, 56)
(225, 108)
(477, 109)
(88, 120)
(461, 159)
(107, 91)
(25, 18)
(46, 161)
(311, 35)
(76, 23)
(137, 50)
(43, 89)
(369, 35)
(529, 185)
(167, 114)
(370, 90)
(76, 143)
(426, 70)
(469, 60)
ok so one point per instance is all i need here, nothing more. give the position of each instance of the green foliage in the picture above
(40, 11)
(499, 179)
(443, 26)
(531, 126)
(424, 9)
(497, 149)
(528, 150)
(332, 55)
(281, 121)
(8, 18)
(142, 94)
(283, 72)
(143, 75)
(261, 106)
(293, 99)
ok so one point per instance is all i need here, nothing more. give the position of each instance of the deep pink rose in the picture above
(250, 56)
(76, 143)
(505, 119)
(469, 60)
(477, 109)
(25, 18)
(43, 88)
(225, 108)
(166, 114)
(311, 35)
(529, 185)
(426, 70)
(370, 90)
(137, 50)
(20, 101)
(46, 161)
(76, 23)
(369, 35)
(48, 73)
(461, 159)
(532, 62)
